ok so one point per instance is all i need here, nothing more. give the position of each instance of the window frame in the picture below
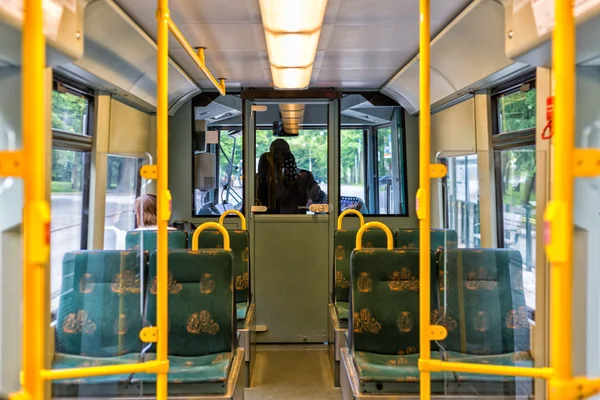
(80, 143)
(508, 141)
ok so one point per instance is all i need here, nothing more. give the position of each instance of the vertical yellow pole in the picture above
(162, 142)
(561, 246)
(35, 218)
(424, 196)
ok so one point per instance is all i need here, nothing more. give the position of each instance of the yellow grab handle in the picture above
(351, 211)
(213, 225)
(370, 225)
(236, 212)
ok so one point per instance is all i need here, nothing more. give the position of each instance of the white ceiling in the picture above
(363, 42)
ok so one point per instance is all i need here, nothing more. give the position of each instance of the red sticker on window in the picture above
(47, 233)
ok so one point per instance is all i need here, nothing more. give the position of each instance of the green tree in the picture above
(68, 112)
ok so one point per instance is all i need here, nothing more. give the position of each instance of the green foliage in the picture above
(68, 112)
(352, 155)
(517, 111)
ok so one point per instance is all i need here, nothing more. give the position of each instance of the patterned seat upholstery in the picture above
(385, 318)
(145, 240)
(344, 242)
(99, 314)
(486, 314)
(240, 242)
(201, 316)
(441, 239)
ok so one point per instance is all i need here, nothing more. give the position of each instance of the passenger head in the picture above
(279, 146)
(145, 210)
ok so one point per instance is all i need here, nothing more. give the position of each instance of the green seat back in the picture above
(99, 313)
(441, 239)
(201, 313)
(240, 242)
(344, 242)
(385, 301)
(145, 240)
(486, 311)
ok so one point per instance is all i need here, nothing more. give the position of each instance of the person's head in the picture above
(145, 210)
(279, 146)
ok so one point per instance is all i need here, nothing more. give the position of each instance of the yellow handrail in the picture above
(164, 196)
(148, 367)
(559, 213)
(197, 58)
(213, 225)
(236, 212)
(471, 368)
(424, 196)
(36, 213)
(351, 211)
(372, 225)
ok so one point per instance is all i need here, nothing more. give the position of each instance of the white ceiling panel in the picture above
(363, 43)
(361, 11)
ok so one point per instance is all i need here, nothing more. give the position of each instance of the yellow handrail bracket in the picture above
(233, 212)
(211, 225)
(347, 212)
(11, 164)
(373, 225)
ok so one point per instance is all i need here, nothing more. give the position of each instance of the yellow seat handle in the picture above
(350, 211)
(371, 225)
(211, 225)
(236, 212)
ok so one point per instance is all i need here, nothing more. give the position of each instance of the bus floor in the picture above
(298, 372)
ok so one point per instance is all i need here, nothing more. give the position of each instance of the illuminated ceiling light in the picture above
(292, 31)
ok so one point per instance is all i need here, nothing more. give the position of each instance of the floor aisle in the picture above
(292, 372)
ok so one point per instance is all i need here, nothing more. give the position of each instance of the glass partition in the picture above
(291, 166)
(485, 291)
(98, 293)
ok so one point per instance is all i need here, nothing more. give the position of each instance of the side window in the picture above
(372, 171)
(122, 188)
(461, 189)
(515, 164)
(218, 175)
(71, 110)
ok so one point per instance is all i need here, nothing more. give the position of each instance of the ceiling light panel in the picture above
(292, 31)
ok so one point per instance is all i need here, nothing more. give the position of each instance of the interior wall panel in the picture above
(130, 130)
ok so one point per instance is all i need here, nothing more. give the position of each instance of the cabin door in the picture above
(290, 216)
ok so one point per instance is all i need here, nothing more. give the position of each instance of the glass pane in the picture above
(353, 187)
(461, 199)
(121, 188)
(69, 112)
(67, 215)
(299, 176)
(517, 173)
(225, 161)
(385, 172)
(516, 111)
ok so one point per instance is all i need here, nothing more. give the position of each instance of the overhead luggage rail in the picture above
(197, 57)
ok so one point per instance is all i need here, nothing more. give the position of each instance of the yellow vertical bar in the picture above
(563, 63)
(162, 144)
(34, 222)
(424, 197)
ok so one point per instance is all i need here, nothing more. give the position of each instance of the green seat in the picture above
(201, 316)
(441, 239)
(240, 310)
(486, 314)
(99, 313)
(385, 318)
(345, 242)
(373, 367)
(342, 309)
(239, 242)
(145, 240)
(211, 368)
